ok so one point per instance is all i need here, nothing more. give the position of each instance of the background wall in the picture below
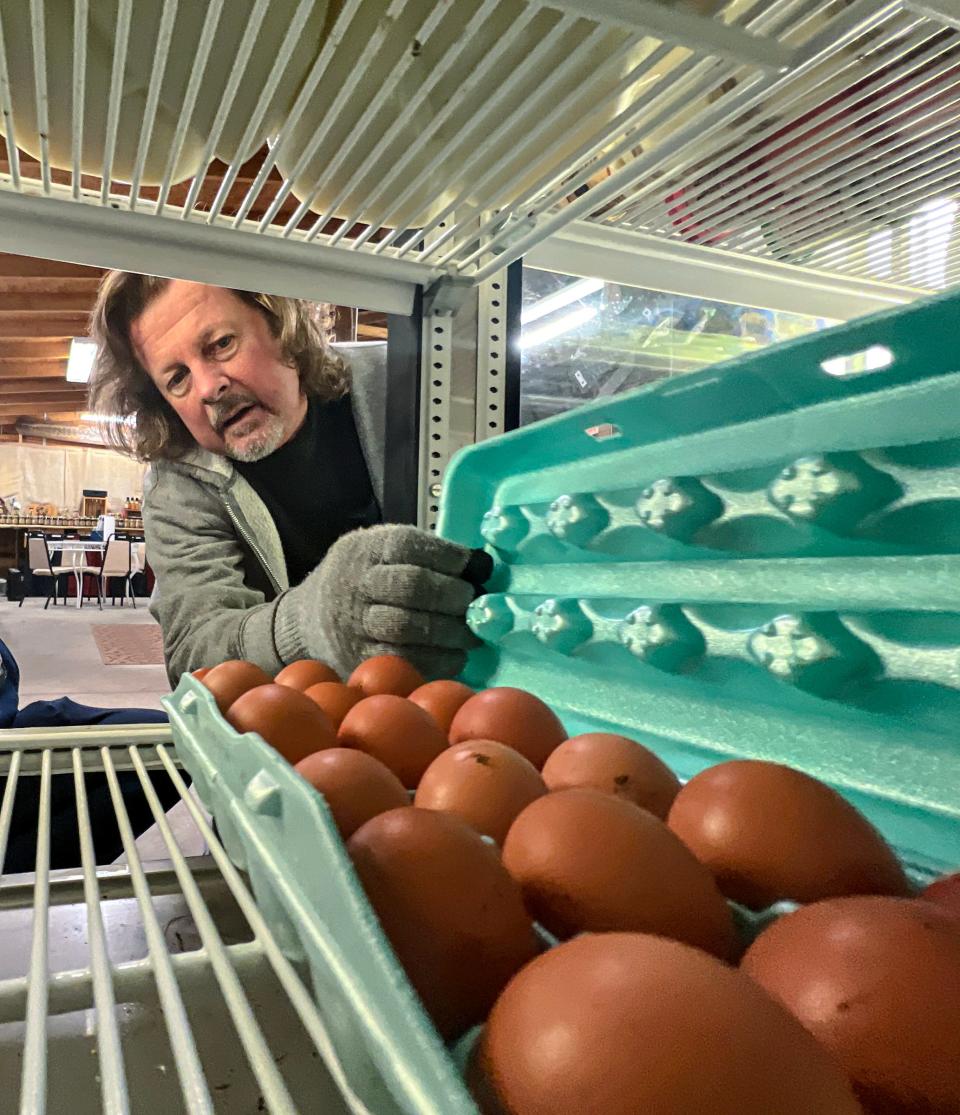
(58, 474)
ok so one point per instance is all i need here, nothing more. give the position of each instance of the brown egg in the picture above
(286, 719)
(395, 731)
(487, 784)
(356, 787)
(589, 862)
(453, 915)
(387, 673)
(301, 675)
(442, 699)
(623, 1023)
(616, 765)
(945, 891)
(877, 981)
(335, 698)
(201, 673)
(232, 679)
(513, 717)
(768, 832)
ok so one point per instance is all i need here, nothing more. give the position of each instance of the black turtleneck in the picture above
(317, 486)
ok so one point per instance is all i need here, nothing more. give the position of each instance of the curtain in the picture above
(58, 474)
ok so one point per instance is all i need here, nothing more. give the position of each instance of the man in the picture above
(262, 506)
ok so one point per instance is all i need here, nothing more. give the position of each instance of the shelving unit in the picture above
(790, 154)
(771, 131)
(778, 153)
(148, 985)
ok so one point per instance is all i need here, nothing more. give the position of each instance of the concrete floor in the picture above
(59, 658)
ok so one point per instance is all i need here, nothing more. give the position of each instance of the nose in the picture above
(212, 382)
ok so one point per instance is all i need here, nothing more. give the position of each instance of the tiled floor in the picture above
(59, 658)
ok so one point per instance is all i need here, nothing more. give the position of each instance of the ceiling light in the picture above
(108, 419)
(83, 352)
(560, 298)
(572, 320)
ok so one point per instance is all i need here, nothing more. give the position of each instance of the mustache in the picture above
(221, 411)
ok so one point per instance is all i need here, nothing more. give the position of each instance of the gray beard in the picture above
(267, 440)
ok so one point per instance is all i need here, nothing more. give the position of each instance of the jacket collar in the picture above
(244, 506)
(201, 464)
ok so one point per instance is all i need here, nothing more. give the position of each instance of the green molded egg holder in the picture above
(757, 560)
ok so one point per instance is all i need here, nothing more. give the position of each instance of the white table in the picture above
(73, 549)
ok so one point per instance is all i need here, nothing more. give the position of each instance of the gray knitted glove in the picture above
(386, 590)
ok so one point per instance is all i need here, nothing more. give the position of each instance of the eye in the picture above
(221, 344)
(176, 384)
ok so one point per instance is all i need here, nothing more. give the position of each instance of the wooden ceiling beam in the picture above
(24, 323)
(37, 409)
(39, 284)
(13, 388)
(21, 369)
(17, 265)
(35, 348)
(46, 302)
(13, 398)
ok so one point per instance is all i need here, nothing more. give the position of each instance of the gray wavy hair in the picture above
(120, 387)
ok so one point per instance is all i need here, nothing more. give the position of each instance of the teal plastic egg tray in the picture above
(761, 559)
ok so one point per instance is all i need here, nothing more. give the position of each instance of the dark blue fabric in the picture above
(9, 686)
(64, 713)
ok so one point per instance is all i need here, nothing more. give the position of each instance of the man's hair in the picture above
(121, 389)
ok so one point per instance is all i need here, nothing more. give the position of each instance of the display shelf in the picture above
(352, 152)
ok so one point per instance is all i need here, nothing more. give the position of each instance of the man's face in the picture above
(217, 364)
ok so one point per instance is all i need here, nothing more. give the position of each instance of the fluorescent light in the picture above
(108, 419)
(83, 352)
(560, 298)
(552, 329)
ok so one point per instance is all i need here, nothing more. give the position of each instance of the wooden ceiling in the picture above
(43, 304)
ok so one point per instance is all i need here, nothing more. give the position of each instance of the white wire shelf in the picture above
(151, 985)
(356, 149)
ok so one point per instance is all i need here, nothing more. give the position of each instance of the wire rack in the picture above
(153, 985)
(409, 139)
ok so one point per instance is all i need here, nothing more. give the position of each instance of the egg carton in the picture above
(827, 630)
(759, 560)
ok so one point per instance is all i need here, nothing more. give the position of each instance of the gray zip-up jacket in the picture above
(221, 578)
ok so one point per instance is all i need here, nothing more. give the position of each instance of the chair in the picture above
(38, 557)
(117, 564)
(138, 559)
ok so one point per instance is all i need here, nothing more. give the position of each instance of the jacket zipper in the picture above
(241, 530)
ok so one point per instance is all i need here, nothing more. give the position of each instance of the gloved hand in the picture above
(389, 590)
